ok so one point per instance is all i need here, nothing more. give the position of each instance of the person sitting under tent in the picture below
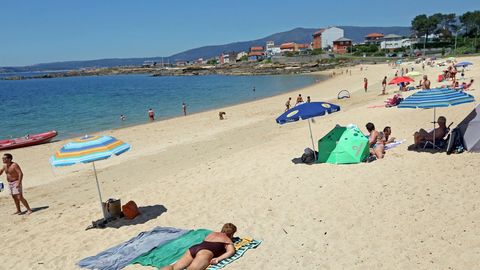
(422, 136)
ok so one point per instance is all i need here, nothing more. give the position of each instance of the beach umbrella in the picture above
(305, 111)
(434, 98)
(413, 74)
(89, 149)
(463, 64)
(403, 79)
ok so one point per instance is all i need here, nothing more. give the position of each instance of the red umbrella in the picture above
(403, 79)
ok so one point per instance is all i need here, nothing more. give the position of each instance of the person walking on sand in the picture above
(299, 99)
(384, 85)
(14, 178)
(184, 109)
(287, 104)
(308, 99)
(151, 114)
(365, 84)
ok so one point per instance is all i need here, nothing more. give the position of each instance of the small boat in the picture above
(27, 140)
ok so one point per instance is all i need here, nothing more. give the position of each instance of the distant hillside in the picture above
(298, 35)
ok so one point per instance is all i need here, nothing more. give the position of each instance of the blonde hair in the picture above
(229, 229)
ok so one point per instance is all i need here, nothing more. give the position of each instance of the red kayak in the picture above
(28, 140)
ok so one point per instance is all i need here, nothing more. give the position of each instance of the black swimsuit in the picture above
(217, 248)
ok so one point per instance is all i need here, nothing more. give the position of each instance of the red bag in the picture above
(130, 210)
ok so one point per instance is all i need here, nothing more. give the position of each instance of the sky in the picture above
(34, 31)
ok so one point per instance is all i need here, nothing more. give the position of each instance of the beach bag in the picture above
(308, 156)
(455, 143)
(130, 210)
(112, 208)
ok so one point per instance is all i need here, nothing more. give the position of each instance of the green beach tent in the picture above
(343, 145)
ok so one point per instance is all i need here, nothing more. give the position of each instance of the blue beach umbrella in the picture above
(463, 64)
(89, 149)
(306, 111)
(434, 98)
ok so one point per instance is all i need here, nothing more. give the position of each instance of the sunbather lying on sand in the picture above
(216, 247)
(422, 136)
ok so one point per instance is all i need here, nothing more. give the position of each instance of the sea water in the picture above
(76, 106)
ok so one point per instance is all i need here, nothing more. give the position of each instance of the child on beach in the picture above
(287, 104)
(299, 99)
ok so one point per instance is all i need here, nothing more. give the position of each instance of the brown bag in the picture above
(130, 210)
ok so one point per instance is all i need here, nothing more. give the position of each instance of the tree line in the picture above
(447, 25)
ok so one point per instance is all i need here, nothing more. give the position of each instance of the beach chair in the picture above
(441, 143)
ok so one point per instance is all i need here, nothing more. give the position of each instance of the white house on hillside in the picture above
(324, 37)
(392, 41)
(271, 49)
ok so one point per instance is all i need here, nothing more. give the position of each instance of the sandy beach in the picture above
(412, 210)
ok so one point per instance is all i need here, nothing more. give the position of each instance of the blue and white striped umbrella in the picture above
(436, 98)
(89, 149)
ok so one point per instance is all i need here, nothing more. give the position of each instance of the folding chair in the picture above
(441, 143)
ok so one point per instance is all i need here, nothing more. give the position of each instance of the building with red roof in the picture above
(324, 38)
(341, 45)
(293, 47)
(374, 38)
(256, 53)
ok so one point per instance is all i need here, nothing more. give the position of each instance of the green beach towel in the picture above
(171, 251)
(241, 246)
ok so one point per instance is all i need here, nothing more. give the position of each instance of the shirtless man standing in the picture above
(425, 83)
(14, 178)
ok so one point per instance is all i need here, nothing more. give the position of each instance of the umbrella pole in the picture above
(311, 137)
(99, 193)
(434, 146)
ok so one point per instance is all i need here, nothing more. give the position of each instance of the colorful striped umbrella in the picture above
(89, 149)
(436, 98)
(440, 97)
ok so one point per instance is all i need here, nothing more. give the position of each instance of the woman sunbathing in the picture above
(216, 247)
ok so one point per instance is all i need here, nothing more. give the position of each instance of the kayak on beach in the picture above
(28, 140)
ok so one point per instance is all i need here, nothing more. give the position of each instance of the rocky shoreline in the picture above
(244, 69)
